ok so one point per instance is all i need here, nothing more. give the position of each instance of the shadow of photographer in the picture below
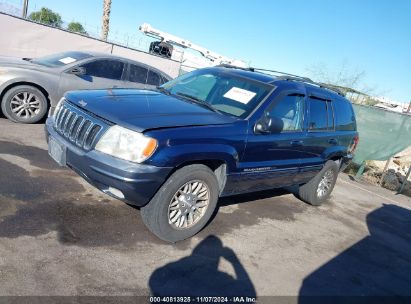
(198, 274)
(377, 269)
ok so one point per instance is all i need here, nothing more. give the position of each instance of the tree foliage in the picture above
(46, 16)
(76, 27)
(342, 75)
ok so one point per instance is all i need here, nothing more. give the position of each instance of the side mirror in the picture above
(79, 71)
(269, 125)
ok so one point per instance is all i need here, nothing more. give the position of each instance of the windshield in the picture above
(58, 60)
(223, 92)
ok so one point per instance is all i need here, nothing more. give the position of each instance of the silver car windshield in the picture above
(220, 91)
(62, 59)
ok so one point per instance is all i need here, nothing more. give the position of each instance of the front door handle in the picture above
(296, 143)
(333, 141)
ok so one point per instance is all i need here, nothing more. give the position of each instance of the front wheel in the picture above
(183, 205)
(24, 104)
(319, 188)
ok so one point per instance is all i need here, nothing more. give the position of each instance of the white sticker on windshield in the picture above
(67, 60)
(240, 95)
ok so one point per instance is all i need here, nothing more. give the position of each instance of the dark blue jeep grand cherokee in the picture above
(210, 133)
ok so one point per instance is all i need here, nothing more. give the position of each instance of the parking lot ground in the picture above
(60, 236)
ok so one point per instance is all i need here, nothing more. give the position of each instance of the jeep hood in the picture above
(142, 110)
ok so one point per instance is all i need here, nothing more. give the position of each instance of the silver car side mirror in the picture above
(79, 71)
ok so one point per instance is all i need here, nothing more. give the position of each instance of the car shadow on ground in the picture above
(198, 274)
(377, 266)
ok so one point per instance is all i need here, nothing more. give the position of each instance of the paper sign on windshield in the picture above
(67, 60)
(240, 95)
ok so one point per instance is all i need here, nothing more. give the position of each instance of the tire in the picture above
(159, 213)
(24, 104)
(311, 193)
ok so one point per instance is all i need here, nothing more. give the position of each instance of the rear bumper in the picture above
(137, 182)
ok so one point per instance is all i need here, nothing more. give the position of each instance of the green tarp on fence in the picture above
(382, 133)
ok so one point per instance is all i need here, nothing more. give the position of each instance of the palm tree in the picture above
(106, 19)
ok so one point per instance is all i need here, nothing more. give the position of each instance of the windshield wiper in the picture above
(198, 101)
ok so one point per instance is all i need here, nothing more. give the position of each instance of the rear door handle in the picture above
(296, 143)
(333, 141)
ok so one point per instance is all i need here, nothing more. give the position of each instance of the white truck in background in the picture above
(191, 55)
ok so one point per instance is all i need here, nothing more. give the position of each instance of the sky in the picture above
(371, 36)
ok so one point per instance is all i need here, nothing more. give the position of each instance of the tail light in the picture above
(354, 144)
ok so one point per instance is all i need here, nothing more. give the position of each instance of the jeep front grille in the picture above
(76, 126)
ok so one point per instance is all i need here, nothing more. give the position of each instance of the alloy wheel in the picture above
(25, 105)
(324, 186)
(188, 204)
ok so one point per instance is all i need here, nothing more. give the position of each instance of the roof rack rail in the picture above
(331, 87)
(230, 66)
(298, 78)
(287, 76)
(292, 77)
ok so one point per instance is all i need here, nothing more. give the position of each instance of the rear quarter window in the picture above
(344, 115)
(138, 74)
(153, 78)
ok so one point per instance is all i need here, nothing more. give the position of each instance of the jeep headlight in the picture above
(126, 144)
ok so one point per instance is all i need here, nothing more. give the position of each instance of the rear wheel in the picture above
(183, 205)
(319, 189)
(24, 104)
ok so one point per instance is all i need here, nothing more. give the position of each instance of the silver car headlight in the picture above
(126, 144)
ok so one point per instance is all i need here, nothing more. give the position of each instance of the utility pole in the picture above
(25, 8)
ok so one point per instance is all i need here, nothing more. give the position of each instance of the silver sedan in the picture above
(30, 87)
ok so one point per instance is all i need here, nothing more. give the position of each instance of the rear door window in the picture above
(137, 74)
(318, 120)
(105, 68)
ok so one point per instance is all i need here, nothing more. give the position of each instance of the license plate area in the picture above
(57, 151)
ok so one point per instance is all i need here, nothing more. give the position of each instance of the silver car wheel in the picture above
(25, 105)
(188, 204)
(325, 184)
